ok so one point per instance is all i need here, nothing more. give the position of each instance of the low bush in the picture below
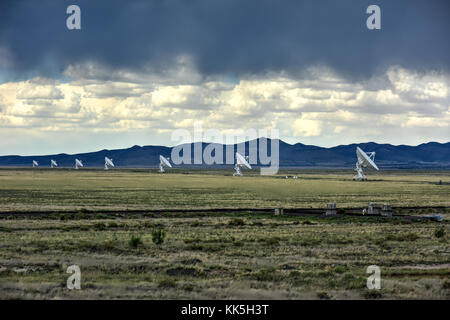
(135, 241)
(439, 233)
(323, 295)
(158, 236)
(236, 222)
(372, 294)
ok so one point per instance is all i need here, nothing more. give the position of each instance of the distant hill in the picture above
(432, 154)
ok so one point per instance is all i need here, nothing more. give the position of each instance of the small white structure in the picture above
(53, 164)
(78, 164)
(386, 210)
(241, 161)
(331, 209)
(108, 163)
(373, 209)
(164, 162)
(35, 164)
(365, 160)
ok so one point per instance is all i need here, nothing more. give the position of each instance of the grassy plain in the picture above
(118, 190)
(219, 255)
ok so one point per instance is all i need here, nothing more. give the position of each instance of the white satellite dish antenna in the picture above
(365, 160)
(53, 163)
(241, 161)
(35, 164)
(164, 162)
(108, 163)
(78, 164)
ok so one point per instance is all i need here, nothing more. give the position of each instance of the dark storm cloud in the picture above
(227, 36)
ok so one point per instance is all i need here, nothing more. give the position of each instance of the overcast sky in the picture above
(137, 70)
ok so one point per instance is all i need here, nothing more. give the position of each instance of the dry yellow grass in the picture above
(69, 190)
(212, 256)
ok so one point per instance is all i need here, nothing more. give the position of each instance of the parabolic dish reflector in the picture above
(241, 161)
(364, 159)
(109, 162)
(78, 163)
(165, 161)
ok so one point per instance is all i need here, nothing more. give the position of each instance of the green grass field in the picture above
(95, 189)
(220, 255)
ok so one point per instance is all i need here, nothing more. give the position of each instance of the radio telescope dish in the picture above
(365, 160)
(78, 164)
(108, 163)
(53, 163)
(35, 164)
(164, 162)
(241, 161)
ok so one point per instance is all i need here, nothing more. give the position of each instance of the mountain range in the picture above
(426, 155)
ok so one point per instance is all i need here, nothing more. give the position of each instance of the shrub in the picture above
(181, 271)
(113, 225)
(402, 237)
(99, 226)
(158, 236)
(148, 224)
(439, 233)
(167, 283)
(206, 247)
(266, 274)
(272, 241)
(411, 237)
(323, 295)
(238, 243)
(196, 224)
(5, 229)
(135, 241)
(340, 269)
(188, 287)
(446, 285)
(109, 244)
(236, 222)
(191, 240)
(372, 294)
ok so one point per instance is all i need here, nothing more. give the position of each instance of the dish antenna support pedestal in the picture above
(237, 169)
(359, 172)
